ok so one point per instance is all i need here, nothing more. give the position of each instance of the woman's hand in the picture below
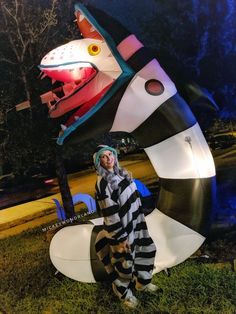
(123, 247)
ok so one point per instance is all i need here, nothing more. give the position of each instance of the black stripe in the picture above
(170, 118)
(129, 227)
(123, 255)
(143, 282)
(101, 193)
(140, 267)
(189, 201)
(125, 208)
(132, 246)
(97, 266)
(140, 58)
(143, 242)
(103, 185)
(102, 197)
(106, 260)
(111, 210)
(96, 188)
(115, 195)
(113, 227)
(121, 269)
(122, 290)
(137, 213)
(101, 244)
(123, 185)
(112, 276)
(145, 254)
(120, 233)
(141, 226)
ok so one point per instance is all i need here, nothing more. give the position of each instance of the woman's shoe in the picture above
(150, 288)
(131, 302)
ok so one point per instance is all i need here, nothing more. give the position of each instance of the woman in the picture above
(124, 246)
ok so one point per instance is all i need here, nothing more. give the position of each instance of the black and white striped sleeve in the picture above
(110, 212)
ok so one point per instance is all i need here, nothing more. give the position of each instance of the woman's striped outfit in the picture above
(124, 220)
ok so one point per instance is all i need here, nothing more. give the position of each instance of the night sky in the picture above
(194, 41)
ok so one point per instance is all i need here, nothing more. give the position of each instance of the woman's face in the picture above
(107, 160)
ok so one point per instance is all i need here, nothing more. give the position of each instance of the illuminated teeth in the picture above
(75, 65)
(63, 127)
(92, 29)
(81, 17)
(76, 118)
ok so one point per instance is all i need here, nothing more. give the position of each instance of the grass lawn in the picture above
(28, 285)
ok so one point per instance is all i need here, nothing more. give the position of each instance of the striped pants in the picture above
(126, 269)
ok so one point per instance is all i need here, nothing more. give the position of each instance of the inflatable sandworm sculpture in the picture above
(113, 83)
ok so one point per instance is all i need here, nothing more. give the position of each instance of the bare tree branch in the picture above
(2, 59)
(8, 33)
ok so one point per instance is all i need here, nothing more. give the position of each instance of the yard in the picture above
(29, 283)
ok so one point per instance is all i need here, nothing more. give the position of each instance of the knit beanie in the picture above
(99, 150)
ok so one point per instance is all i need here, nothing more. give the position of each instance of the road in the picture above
(18, 218)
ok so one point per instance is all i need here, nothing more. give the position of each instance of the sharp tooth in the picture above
(49, 106)
(53, 81)
(81, 17)
(92, 29)
(43, 76)
(76, 118)
(63, 127)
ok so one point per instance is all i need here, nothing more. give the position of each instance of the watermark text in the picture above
(66, 221)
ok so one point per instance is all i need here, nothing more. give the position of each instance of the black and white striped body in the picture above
(161, 121)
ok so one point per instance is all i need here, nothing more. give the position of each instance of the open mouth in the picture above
(85, 107)
(76, 81)
(73, 77)
(77, 95)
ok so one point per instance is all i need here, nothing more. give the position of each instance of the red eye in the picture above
(154, 87)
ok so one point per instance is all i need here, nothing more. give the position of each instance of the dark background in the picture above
(194, 40)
